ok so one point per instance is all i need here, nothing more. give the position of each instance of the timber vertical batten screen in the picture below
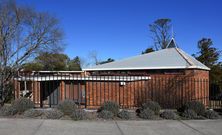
(127, 91)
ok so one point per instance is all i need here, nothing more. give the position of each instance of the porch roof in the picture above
(82, 78)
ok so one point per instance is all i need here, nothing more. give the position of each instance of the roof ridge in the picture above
(185, 57)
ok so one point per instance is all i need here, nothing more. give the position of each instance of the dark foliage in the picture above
(196, 106)
(124, 114)
(7, 111)
(105, 114)
(78, 115)
(22, 104)
(53, 114)
(209, 56)
(107, 61)
(154, 106)
(168, 114)
(67, 107)
(32, 113)
(110, 106)
(148, 50)
(147, 114)
(210, 114)
(189, 114)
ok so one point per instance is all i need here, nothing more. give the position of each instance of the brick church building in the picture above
(168, 76)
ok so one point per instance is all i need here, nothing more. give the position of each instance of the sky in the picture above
(119, 28)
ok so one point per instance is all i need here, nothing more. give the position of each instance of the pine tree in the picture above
(210, 56)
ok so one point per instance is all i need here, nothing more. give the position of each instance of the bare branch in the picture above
(160, 31)
(24, 33)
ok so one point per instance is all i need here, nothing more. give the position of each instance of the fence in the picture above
(48, 89)
(215, 94)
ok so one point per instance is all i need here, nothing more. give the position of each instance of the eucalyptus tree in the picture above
(161, 32)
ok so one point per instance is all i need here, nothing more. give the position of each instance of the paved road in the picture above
(66, 127)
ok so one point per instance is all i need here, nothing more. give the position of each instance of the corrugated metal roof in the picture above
(170, 58)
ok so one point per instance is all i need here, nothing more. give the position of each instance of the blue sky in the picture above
(119, 28)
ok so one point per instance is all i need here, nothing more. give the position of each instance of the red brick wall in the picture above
(97, 92)
(167, 89)
(168, 92)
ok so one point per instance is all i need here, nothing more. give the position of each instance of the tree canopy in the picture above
(74, 64)
(24, 32)
(53, 62)
(160, 30)
(209, 56)
(106, 61)
(160, 33)
(148, 50)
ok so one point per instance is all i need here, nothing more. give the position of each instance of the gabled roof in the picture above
(170, 58)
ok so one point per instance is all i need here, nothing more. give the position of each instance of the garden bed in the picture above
(68, 110)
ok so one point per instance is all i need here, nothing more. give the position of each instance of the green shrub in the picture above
(32, 113)
(106, 114)
(7, 111)
(78, 115)
(210, 114)
(190, 114)
(110, 106)
(196, 106)
(22, 104)
(67, 107)
(124, 114)
(168, 114)
(147, 114)
(152, 105)
(53, 114)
